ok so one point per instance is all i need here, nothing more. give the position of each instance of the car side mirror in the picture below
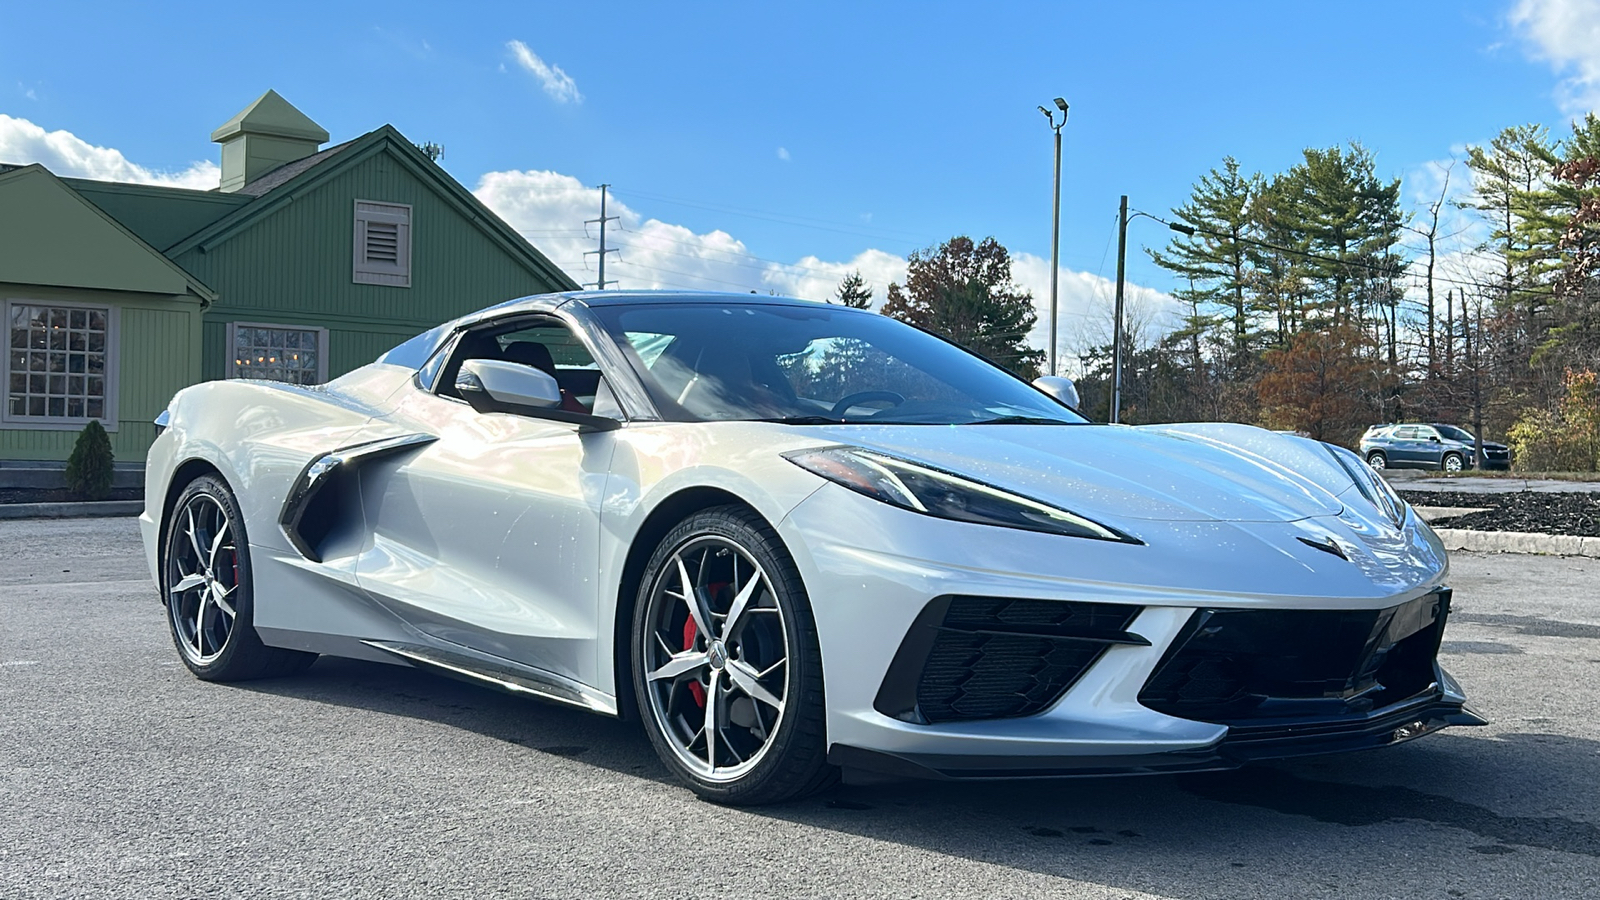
(499, 386)
(1434, 438)
(1059, 388)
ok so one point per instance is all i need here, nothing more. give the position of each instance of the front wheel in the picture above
(206, 584)
(726, 665)
(1453, 462)
(1377, 461)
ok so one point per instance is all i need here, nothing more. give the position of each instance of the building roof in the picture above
(161, 216)
(289, 171)
(274, 195)
(51, 234)
(270, 114)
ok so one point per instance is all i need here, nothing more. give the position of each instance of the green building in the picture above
(305, 263)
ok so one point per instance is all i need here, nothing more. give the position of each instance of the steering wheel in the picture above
(860, 397)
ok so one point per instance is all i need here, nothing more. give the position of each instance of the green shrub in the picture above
(89, 466)
(1564, 440)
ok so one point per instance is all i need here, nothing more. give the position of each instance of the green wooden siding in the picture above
(295, 267)
(157, 339)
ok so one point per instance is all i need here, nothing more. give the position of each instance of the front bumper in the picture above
(873, 572)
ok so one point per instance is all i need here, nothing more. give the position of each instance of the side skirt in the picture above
(503, 674)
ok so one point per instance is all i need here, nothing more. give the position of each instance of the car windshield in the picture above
(1452, 433)
(814, 365)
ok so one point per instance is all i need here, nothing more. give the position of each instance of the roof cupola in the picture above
(263, 136)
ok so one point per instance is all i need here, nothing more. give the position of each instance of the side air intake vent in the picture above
(998, 657)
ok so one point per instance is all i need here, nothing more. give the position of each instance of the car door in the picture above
(1430, 447)
(488, 537)
(1401, 446)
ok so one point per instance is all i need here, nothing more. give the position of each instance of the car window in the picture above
(549, 346)
(1426, 433)
(1404, 433)
(1456, 434)
(718, 361)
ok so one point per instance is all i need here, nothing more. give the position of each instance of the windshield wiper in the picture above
(1021, 420)
(802, 420)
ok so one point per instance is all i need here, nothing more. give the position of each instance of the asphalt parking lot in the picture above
(122, 776)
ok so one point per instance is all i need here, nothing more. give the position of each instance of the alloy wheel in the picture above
(1452, 463)
(202, 579)
(1377, 461)
(716, 655)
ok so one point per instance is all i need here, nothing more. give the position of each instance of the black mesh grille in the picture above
(991, 676)
(1237, 666)
(998, 657)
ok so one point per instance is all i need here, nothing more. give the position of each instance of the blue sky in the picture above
(775, 146)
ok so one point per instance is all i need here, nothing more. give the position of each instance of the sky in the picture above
(778, 147)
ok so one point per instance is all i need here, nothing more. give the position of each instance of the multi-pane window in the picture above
(57, 364)
(277, 353)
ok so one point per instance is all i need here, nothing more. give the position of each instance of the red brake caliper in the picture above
(690, 632)
(696, 690)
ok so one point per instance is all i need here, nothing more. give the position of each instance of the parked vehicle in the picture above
(1428, 446)
(789, 537)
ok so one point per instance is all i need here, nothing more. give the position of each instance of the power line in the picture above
(796, 221)
(1384, 270)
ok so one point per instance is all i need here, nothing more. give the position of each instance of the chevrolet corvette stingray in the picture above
(791, 538)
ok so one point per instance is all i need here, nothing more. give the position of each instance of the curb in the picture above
(86, 510)
(1518, 542)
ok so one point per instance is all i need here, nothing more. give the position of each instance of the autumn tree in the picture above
(1324, 384)
(963, 291)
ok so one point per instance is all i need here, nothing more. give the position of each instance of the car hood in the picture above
(1199, 472)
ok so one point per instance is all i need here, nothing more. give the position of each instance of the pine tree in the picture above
(854, 292)
(1216, 260)
(963, 290)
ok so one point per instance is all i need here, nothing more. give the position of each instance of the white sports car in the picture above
(791, 538)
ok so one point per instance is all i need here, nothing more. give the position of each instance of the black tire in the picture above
(792, 762)
(1459, 460)
(1377, 460)
(224, 649)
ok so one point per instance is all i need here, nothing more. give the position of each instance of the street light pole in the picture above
(1055, 227)
(1116, 328)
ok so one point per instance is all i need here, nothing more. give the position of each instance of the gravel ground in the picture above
(1544, 513)
(123, 776)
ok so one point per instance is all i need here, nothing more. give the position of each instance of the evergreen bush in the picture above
(89, 466)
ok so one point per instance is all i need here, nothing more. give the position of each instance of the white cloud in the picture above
(65, 154)
(558, 84)
(783, 153)
(1566, 33)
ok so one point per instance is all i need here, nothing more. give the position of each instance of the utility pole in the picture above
(600, 283)
(1116, 327)
(1055, 226)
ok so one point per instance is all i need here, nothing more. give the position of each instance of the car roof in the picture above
(550, 302)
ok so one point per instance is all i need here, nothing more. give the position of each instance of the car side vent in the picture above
(998, 657)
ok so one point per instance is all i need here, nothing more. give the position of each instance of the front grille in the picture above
(1235, 666)
(997, 657)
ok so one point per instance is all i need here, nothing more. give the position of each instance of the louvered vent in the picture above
(383, 243)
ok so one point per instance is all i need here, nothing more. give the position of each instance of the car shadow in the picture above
(1443, 799)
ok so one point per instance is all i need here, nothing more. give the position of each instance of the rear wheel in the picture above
(1377, 460)
(726, 665)
(207, 588)
(1453, 462)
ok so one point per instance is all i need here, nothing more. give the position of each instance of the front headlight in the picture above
(945, 495)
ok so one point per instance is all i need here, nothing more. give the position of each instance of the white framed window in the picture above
(296, 354)
(60, 367)
(382, 243)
